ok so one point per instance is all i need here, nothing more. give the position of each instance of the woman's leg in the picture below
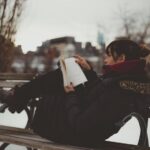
(50, 83)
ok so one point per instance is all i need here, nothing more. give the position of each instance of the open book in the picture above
(72, 72)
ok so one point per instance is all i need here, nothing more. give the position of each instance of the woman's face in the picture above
(109, 59)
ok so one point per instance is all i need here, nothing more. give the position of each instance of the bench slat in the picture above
(16, 76)
(9, 84)
(29, 139)
(36, 144)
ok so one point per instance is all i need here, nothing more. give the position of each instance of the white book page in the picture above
(74, 72)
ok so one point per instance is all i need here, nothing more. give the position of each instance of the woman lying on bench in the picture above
(87, 115)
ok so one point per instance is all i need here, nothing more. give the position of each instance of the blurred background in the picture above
(33, 33)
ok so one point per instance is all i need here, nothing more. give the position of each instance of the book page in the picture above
(74, 72)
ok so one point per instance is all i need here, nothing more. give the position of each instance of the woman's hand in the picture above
(82, 62)
(69, 88)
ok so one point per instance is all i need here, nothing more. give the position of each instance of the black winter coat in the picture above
(88, 116)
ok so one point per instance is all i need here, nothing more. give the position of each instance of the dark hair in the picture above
(145, 50)
(129, 48)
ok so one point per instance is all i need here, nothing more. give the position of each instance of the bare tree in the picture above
(145, 33)
(6, 54)
(10, 12)
(135, 25)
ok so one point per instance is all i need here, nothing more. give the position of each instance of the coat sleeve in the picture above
(96, 123)
(91, 74)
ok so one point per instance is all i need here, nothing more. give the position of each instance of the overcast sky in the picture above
(46, 19)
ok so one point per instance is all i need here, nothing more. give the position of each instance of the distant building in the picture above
(65, 45)
(68, 47)
(46, 57)
(18, 64)
(101, 39)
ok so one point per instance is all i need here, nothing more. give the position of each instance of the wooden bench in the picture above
(26, 137)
